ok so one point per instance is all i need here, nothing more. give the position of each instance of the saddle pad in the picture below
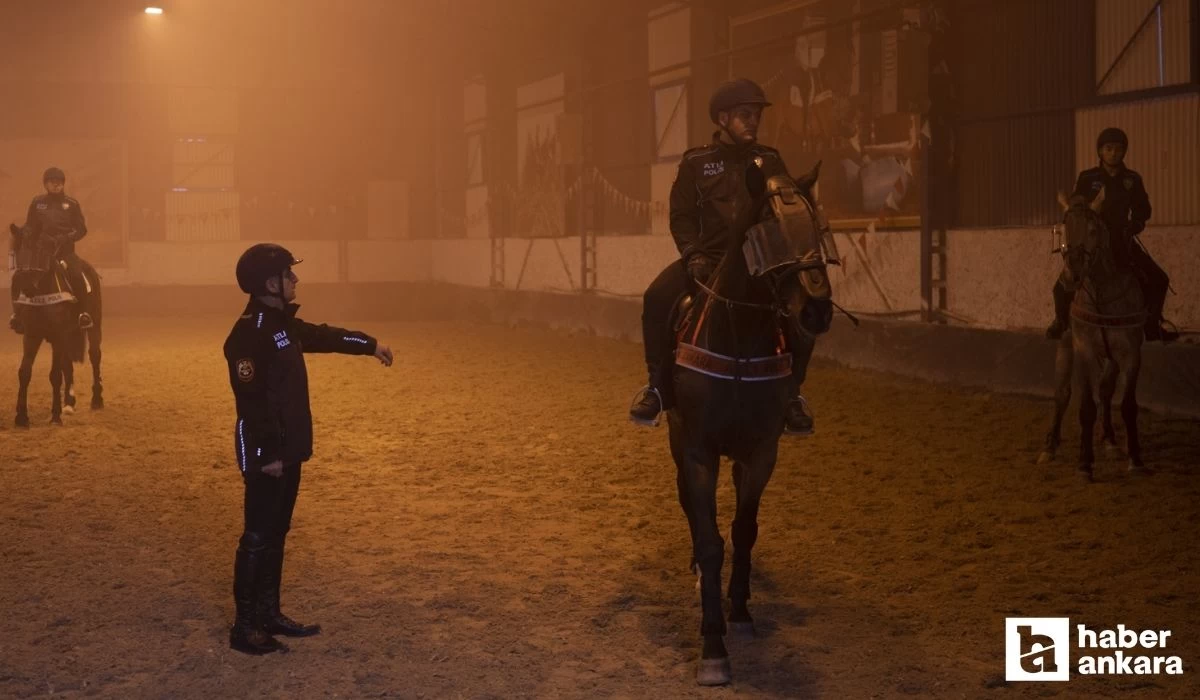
(752, 369)
(46, 299)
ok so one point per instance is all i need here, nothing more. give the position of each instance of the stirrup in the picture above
(85, 320)
(652, 423)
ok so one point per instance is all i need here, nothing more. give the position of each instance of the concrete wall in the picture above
(998, 279)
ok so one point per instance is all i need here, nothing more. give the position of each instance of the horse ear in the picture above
(1098, 201)
(807, 180)
(1062, 200)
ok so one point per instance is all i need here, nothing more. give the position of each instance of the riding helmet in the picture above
(54, 174)
(260, 263)
(742, 91)
(1112, 135)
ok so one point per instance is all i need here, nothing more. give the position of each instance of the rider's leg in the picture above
(79, 287)
(1154, 289)
(799, 420)
(15, 321)
(659, 342)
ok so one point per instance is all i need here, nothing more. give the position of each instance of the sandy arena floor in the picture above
(480, 521)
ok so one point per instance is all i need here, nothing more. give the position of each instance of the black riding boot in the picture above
(274, 621)
(649, 402)
(1062, 312)
(799, 420)
(247, 635)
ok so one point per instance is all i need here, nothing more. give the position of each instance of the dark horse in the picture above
(50, 315)
(1104, 345)
(732, 384)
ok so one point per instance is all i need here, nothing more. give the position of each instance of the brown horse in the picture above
(1104, 346)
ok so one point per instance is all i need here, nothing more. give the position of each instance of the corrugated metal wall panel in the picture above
(1164, 146)
(1160, 53)
(1009, 171)
(203, 216)
(1021, 55)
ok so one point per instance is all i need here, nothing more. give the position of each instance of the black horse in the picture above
(732, 385)
(50, 314)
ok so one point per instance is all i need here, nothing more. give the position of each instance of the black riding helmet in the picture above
(1112, 135)
(54, 174)
(742, 91)
(260, 263)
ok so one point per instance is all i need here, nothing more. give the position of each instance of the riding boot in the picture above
(274, 621)
(79, 287)
(1062, 312)
(649, 402)
(247, 634)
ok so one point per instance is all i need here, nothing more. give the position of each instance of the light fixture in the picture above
(154, 10)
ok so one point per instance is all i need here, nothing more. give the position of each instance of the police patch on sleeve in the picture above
(245, 369)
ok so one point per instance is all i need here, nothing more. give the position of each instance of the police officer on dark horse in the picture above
(704, 211)
(60, 217)
(761, 296)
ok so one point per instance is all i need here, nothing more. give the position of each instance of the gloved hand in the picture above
(701, 267)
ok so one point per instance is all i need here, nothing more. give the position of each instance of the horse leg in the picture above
(24, 373)
(69, 388)
(1064, 360)
(1129, 415)
(58, 356)
(1087, 426)
(1108, 389)
(749, 480)
(94, 356)
(698, 468)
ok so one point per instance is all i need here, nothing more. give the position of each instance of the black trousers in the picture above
(268, 506)
(658, 338)
(1154, 281)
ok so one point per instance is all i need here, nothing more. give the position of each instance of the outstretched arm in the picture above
(326, 338)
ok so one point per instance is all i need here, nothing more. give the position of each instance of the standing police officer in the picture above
(273, 433)
(709, 204)
(60, 218)
(1125, 211)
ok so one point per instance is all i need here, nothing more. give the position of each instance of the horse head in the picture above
(790, 247)
(1085, 248)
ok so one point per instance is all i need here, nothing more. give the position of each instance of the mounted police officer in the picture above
(59, 218)
(1125, 211)
(709, 187)
(273, 433)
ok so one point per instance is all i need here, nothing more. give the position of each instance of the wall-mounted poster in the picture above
(846, 80)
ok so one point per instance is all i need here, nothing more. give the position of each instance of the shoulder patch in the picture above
(245, 370)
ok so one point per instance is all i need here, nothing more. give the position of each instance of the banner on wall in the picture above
(96, 176)
(850, 96)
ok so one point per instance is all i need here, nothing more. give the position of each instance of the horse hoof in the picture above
(1045, 458)
(56, 420)
(743, 629)
(714, 672)
(97, 404)
(69, 410)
